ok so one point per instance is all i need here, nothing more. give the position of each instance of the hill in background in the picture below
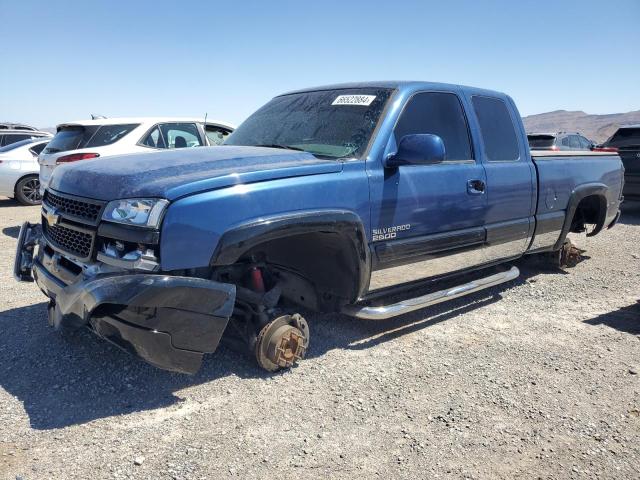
(595, 127)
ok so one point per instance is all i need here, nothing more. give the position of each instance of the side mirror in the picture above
(417, 149)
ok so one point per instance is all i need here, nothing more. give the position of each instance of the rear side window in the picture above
(70, 138)
(154, 139)
(36, 150)
(108, 134)
(496, 127)
(438, 114)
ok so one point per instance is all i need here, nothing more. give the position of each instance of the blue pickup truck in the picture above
(345, 198)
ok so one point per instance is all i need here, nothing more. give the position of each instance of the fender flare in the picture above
(238, 240)
(577, 195)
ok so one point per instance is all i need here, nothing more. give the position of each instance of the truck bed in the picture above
(562, 173)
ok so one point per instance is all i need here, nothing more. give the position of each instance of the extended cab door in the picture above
(511, 177)
(428, 220)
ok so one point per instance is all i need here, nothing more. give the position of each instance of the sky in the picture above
(63, 61)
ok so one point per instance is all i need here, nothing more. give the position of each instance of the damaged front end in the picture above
(169, 321)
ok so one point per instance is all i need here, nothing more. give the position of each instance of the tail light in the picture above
(74, 157)
(605, 149)
(555, 148)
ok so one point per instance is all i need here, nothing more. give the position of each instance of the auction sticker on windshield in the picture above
(354, 100)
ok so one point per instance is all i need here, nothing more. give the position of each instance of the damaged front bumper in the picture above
(169, 321)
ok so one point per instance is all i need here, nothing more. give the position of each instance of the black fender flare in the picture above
(577, 195)
(235, 242)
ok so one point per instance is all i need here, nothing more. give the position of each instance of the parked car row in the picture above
(106, 137)
(29, 156)
(559, 141)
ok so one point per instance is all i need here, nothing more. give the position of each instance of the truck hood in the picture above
(176, 173)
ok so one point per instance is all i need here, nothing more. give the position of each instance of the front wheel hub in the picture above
(282, 342)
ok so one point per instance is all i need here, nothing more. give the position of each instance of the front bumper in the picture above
(168, 321)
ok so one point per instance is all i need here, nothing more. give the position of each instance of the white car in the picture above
(105, 137)
(19, 170)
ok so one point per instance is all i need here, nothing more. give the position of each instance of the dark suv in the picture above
(559, 141)
(626, 141)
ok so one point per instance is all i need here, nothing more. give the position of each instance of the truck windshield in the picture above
(327, 123)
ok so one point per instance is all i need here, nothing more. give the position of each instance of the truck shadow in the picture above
(64, 379)
(625, 319)
(8, 202)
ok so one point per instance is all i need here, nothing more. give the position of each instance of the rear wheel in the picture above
(28, 190)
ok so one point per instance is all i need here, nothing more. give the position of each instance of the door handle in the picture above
(475, 187)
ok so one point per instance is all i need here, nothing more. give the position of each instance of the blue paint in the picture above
(216, 189)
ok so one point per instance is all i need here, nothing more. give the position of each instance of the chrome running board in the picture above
(406, 306)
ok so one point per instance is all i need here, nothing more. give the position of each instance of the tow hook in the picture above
(282, 342)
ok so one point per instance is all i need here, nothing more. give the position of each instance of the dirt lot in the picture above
(534, 379)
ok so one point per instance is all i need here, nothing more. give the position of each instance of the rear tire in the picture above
(27, 190)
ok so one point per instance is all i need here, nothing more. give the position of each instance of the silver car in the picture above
(19, 170)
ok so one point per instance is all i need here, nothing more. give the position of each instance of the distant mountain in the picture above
(595, 127)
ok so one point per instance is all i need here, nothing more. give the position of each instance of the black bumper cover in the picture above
(168, 321)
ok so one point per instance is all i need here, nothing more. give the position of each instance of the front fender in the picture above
(235, 242)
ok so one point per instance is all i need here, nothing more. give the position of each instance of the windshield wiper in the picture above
(285, 147)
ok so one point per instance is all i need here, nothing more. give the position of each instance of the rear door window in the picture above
(216, 135)
(181, 135)
(439, 114)
(574, 142)
(566, 142)
(497, 130)
(109, 134)
(584, 143)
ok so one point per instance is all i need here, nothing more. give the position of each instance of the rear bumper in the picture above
(168, 321)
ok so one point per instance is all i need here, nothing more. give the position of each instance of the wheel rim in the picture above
(31, 190)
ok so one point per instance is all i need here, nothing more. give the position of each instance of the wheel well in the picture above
(22, 178)
(592, 210)
(320, 270)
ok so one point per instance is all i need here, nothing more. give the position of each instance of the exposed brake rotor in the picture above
(282, 342)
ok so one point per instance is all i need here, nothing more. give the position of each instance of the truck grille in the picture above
(73, 241)
(70, 207)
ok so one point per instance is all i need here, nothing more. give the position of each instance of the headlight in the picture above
(141, 212)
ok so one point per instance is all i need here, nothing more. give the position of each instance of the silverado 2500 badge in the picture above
(387, 233)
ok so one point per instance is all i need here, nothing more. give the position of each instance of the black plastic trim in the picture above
(234, 243)
(129, 234)
(598, 189)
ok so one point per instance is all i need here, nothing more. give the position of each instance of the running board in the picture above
(406, 306)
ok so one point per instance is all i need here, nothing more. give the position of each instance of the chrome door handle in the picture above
(476, 187)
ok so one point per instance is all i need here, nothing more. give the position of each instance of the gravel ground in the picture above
(534, 379)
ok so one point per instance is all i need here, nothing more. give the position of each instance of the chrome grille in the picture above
(73, 241)
(71, 207)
